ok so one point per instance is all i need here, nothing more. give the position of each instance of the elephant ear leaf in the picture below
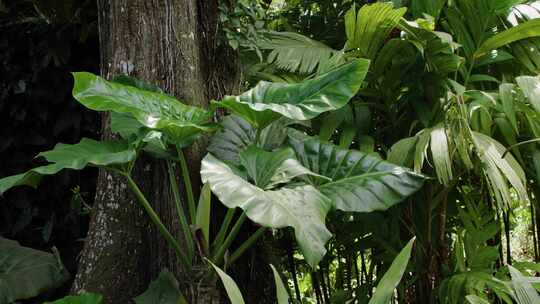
(87, 152)
(155, 110)
(236, 134)
(303, 208)
(26, 272)
(268, 169)
(359, 182)
(267, 101)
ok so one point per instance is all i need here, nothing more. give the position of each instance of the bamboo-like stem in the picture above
(180, 212)
(157, 222)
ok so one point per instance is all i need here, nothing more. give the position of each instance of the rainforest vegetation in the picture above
(270, 151)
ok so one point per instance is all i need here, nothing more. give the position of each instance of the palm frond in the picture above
(297, 53)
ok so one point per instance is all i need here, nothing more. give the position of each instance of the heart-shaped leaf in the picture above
(267, 101)
(359, 182)
(303, 208)
(181, 123)
(236, 134)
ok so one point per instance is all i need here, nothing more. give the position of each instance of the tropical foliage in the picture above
(367, 128)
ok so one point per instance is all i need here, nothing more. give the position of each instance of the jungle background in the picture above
(466, 230)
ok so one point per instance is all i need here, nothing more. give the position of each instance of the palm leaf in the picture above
(297, 53)
(500, 171)
(368, 28)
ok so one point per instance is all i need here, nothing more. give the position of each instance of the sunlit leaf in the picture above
(267, 101)
(158, 111)
(303, 207)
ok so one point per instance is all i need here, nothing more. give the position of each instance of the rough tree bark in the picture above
(173, 44)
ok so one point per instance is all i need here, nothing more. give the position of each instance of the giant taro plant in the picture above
(278, 175)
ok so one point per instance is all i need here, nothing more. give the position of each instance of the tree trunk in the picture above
(173, 44)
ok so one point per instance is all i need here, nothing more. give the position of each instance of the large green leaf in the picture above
(158, 111)
(267, 101)
(268, 169)
(303, 207)
(87, 152)
(359, 182)
(385, 289)
(85, 298)
(236, 134)
(26, 272)
(163, 290)
(368, 28)
(524, 30)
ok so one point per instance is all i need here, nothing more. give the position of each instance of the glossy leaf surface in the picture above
(180, 122)
(267, 101)
(303, 208)
(359, 182)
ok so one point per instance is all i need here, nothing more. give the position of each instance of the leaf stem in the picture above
(246, 245)
(180, 211)
(257, 136)
(155, 219)
(230, 238)
(224, 227)
(187, 183)
(530, 141)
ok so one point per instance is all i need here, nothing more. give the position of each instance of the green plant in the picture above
(149, 120)
(26, 272)
(383, 293)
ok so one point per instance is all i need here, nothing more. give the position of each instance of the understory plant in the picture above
(278, 175)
